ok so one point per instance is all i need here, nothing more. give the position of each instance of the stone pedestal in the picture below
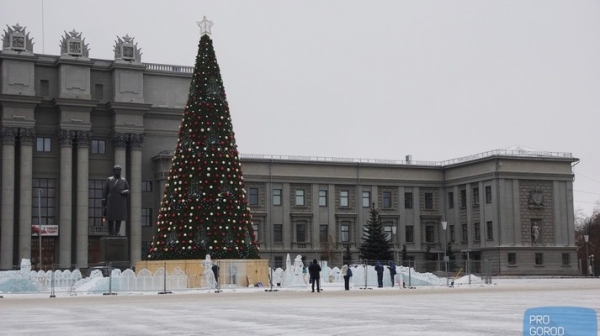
(114, 249)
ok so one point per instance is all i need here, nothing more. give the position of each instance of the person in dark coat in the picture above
(346, 273)
(379, 270)
(314, 270)
(392, 268)
(114, 200)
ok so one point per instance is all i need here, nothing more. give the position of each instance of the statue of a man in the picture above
(114, 200)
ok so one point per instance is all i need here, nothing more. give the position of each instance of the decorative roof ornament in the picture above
(73, 45)
(205, 26)
(127, 50)
(16, 39)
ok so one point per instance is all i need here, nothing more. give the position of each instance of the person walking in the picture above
(392, 268)
(379, 270)
(314, 270)
(346, 273)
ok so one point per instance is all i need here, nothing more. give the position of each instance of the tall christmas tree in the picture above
(204, 208)
(375, 245)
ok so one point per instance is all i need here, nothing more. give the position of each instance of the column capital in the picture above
(8, 135)
(83, 139)
(136, 141)
(26, 136)
(65, 137)
(119, 140)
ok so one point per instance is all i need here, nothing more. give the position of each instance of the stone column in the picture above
(120, 147)
(83, 141)
(26, 136)
(135, 227)
(65, 138)
(7, 228)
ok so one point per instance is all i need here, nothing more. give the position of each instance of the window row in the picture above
(386, 198)
(44, 203)
(539, 259)
(475, 197)
(44, 144)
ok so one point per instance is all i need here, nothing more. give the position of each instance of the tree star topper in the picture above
(205, 26)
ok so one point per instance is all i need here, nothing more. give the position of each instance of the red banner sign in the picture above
(47, 230)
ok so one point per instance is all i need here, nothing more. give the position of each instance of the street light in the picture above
(592, 263)
(444, 225)
(587, 258)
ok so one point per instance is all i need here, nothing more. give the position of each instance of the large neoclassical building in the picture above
(67, 119)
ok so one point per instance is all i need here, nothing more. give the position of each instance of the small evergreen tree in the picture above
(404, 255)
(375, 245)
(451, 257)
(347, 255)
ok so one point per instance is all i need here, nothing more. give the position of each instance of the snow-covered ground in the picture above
(495, 309)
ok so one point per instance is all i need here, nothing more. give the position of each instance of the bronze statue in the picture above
(114, 200)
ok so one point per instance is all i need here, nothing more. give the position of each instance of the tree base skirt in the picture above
(232, 272)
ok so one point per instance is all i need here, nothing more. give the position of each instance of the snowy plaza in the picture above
(478, 309)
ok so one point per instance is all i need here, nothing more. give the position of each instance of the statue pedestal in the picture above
(114, 249)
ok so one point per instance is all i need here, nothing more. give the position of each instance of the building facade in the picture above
(67, 119)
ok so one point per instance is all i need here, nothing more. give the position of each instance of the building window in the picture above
(344, 198)
(323, 198)
(512, 258)
(45, 211)
(475, 196)
(299, 197)
(428, 201)
(146, 186)
(408, 200)
(488, 194)
(276, 196)
(277, 262)
(146, 246)
(345, 232)
(323, 233)
(95, 208)
(450, 200)
(301, 232)
(490, 231)
(465, 233)
(387, 229)
(255, 228)
(44, 88)
(463, 198)
(98, 147)
(253, 196)
(429, 234)
(98, 92)
(452, 234)
(566, 260)
(44, 145)
(477, 231)
(366, 199)
(278, 233)
(409, 233)
(146, 217)
(387, 199)
(539, 259)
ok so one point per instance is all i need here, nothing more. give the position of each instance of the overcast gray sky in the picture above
(372, 79)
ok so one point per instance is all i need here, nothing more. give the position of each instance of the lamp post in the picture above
(587, 258)
(592, 263)
(40, 191)
(394, 237)
(444, 225)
